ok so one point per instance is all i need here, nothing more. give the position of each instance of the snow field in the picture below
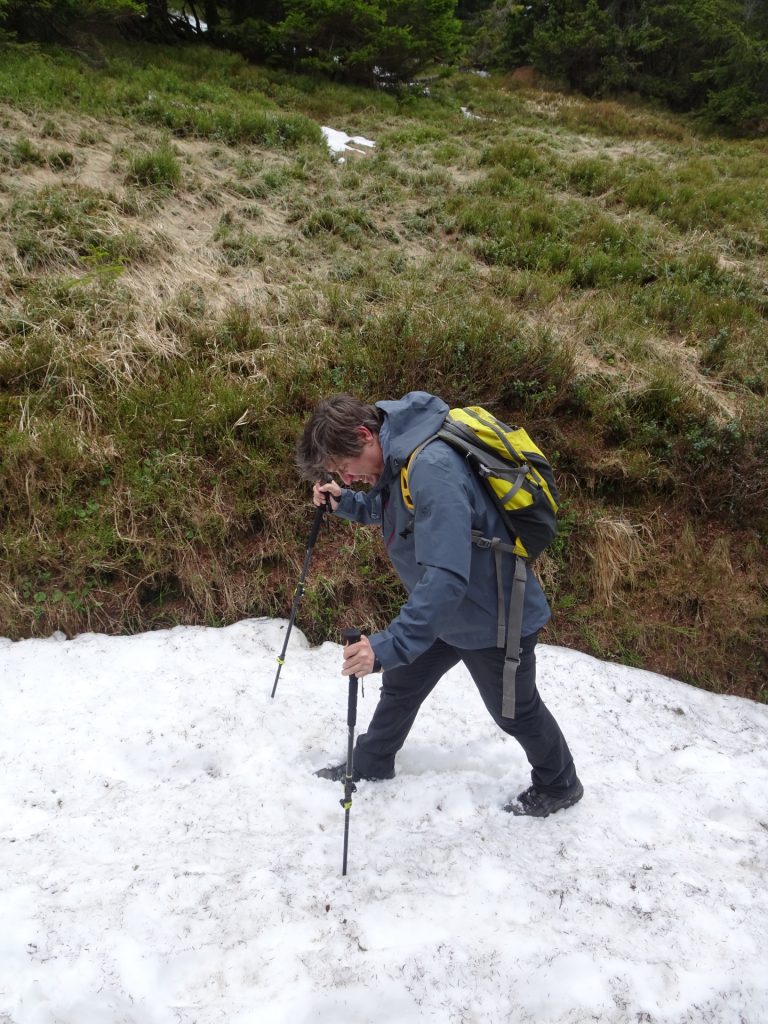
(168, 856)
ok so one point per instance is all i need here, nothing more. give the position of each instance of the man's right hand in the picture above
(321, 489)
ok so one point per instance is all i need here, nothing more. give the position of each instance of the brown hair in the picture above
(330, 433)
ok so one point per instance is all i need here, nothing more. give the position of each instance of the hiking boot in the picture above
(338, 773)
(540, 805)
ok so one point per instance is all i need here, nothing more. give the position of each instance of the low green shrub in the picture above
(155, 168)
(240, 247)
(521, 159)
(23, 152)
(71, 225)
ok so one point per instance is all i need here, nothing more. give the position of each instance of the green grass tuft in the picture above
(157, 168)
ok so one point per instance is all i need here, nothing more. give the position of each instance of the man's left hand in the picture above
(358, 658)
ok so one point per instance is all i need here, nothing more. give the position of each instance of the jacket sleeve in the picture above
(360, 507)
(442, 545)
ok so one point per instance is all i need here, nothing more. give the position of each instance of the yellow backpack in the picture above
(514, 470)
(520, 481)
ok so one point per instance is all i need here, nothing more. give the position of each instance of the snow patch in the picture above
(168, 857)
(339, 142)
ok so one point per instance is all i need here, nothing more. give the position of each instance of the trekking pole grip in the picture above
(317, 522)
(351, 636)
(320, 511)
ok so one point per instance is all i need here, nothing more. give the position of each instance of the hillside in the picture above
(186, 269)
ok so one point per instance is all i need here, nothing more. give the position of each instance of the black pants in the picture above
(405, 688)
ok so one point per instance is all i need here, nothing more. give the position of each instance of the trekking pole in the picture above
(299, 592)
(349, 636)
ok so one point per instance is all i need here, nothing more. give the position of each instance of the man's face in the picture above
(365, 467)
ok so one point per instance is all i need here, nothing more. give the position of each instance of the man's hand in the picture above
(332, 489)
(358, 659)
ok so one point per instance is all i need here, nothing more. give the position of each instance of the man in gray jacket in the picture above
(450, 614)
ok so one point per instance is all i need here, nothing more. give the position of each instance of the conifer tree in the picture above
(705, 55)
(41, 19)
(353, 40)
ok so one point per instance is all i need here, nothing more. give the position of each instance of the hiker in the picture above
(450, 614)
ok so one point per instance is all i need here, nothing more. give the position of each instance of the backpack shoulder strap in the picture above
(406, 469)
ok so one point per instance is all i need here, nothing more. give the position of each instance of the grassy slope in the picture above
(186, 271)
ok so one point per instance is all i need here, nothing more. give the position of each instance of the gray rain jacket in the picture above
(451, 584)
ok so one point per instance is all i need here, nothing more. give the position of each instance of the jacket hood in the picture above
(409, 421)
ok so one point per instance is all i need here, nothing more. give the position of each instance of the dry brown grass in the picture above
(618, 550)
